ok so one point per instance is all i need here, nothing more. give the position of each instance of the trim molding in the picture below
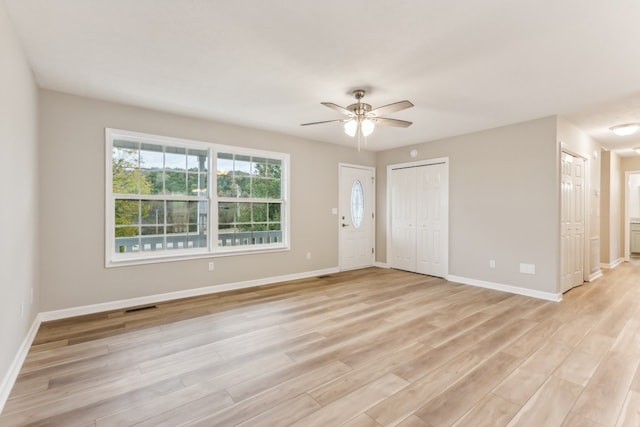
(595, 276)
(380, 264)
(132, 302)
(613, 264)
(506, 288)
(10, 378)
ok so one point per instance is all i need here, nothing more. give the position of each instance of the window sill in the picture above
(132, 261)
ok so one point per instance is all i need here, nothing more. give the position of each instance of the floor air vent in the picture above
(146, 307)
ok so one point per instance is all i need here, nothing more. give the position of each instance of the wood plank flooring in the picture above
(363, 348)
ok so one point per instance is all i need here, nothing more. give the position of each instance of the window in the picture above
(161, 192)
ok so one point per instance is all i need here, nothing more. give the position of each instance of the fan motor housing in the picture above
(359, 108)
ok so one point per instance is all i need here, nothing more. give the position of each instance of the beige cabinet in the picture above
(635, 238)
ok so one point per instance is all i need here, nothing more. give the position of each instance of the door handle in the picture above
(345, 225)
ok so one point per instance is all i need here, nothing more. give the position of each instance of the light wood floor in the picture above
(364, 348)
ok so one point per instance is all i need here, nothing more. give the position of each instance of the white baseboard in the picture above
(595, 276)
(613, 264)
(10, 378)
(151, 299)
(506, 288)
(381, 264)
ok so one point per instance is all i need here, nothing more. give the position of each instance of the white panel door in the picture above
(572, 220)
(356, 217)
(403, 219)
(431, 219)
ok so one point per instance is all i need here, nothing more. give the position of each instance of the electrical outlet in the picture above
(308, 255)
(492, 263)
(527, 268)
(211, 266)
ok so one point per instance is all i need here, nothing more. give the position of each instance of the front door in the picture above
(356, 217)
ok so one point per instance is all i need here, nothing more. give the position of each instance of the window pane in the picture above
(152, 230)
(193, 212)
(261, 188)
(225, 164)
(175, 183)
(274, 189)
(225, 184)
(259, 167)
(175, 158)
(197, 241)
(125, 180)
(127, 231)
(177, 242)
(226, 213)
(259, 212)
(125, 156)
(151, 157)
(127, 212)
(244, 212)
(195, 186)
(151, 181)
(274, 212)
(274, 168)
(197, 160)
(242, 165)
(242, 187)
(177, 216)
(152, 212)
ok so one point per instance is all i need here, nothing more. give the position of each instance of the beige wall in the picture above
(605, 207)
(18, 214)
(612, 205)
(503, 202)
(72, 202)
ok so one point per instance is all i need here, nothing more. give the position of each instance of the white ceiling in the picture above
(467, 65)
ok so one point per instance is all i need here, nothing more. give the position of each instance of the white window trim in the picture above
(213, 250)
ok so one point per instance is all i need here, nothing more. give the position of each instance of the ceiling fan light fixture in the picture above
(367, 127)
(351, 127)
(625, 129)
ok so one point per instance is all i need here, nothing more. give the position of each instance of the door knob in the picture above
(345, 225)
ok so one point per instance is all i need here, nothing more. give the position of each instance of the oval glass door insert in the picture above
(357, 204)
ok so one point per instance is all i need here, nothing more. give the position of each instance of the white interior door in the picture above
(572, 220)
(356, 217)
(403, 219)
(432, 210)
(418, 200)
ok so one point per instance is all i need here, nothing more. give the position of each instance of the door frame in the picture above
(388, 225)
(372, 169)
(627, 218)
(586, 260)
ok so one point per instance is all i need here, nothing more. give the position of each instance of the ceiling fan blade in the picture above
(392, 122)
(337, 108)
(390, 108)
(326, 121)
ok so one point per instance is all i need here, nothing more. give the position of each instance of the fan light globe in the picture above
(367, 127)
(351, 127)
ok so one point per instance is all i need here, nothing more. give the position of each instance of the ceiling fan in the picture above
(362, 118)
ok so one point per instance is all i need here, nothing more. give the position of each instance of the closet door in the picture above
(431, 219)
(403, 219)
